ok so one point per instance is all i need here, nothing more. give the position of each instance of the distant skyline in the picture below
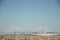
(30, 15)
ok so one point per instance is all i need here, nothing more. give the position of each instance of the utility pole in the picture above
(14, 29)
(15, 33)
(42, 29)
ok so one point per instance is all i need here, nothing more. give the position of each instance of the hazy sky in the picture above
(30, 15)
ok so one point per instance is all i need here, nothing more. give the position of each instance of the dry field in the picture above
(29, 37)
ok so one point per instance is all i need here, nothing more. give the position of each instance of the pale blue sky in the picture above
(30, 14)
